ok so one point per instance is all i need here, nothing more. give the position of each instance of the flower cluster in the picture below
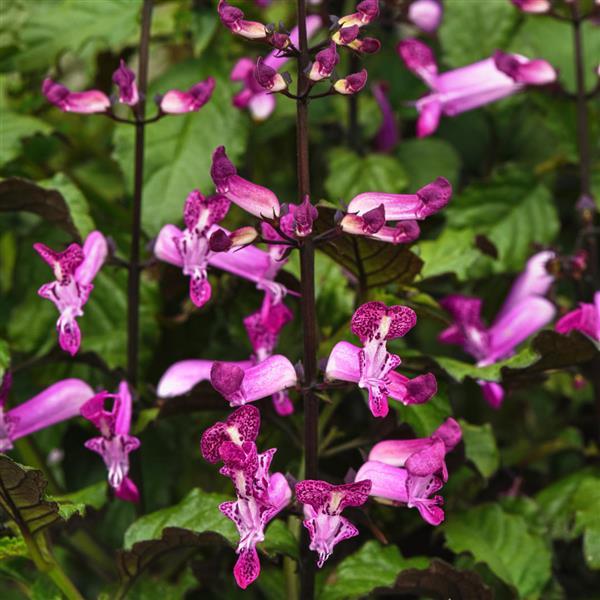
(261, 495)
(524, 312)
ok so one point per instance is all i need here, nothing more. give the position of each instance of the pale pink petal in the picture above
(165, 246)
(492, 392)
(95, 250)
(386, 481)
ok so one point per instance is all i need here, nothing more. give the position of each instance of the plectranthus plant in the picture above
(292, 246)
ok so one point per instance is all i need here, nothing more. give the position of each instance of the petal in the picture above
(95, 250)
(418, 390)
(261, 106)
(430, 112)
(535, 280)
(165, 246)
(124, 78)
(56, 403)
(250, 263)
(531, 315)
(176, 102)
(428, 461)
(242, 68)
(247, 567)
(397, 452)
(388, 136)
(69, 334)
(465, 310)
(227, 378)
(92, 101)
(123, 410)
(418, 58)
(272, 375)
(280, 493)
(282, 404)
(200, 290)
(343, 363)
(523, 70)
(492, 392)
(450, 433)
(128, 491)
(374, 320)
(314, 492)
(426, 14)
(386, 481)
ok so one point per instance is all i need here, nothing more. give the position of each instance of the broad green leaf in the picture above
(149, 588)
(76, 503)
(471, 31)
(4, 357)
(586, 505)
(452, 252)
(15, 127)
(425, 418)
(10, 547)
(178, 151)
(480, 447)
(370, 567)
(427, 158)
(280, 540)
(512, 210)
(503, 542)
(351, 174)
(53, 26)
(56, 200)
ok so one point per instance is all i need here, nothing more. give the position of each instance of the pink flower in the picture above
(533, 6)
(325, 62)
(177, 102)
(124, 78)
(114, 443)
(387, 136)
(348, 36)
(59, 402)
(74, 269)
(366, 12)
(372, 366)
(253, 96)
(426, 14)
(323, 506)
(91, 101)
(524, 312)
(253, 198)
(351, 84)
(466, 88)
(233, 19)
(586, 319)
(268, 78)
(368, 213)
(260, 494)
(299, 219)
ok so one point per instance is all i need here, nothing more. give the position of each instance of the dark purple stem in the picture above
(308, 308)
(133, 284)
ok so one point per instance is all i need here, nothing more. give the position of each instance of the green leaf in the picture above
(452, 252)
(472, 31)
(425, 418)
(480, 447)
(56, 200)
(178, 152)
(76, 503)
(351, 174)
(586, 505)
(52, 26)
(370, 567)
(428, 158)
(15, 127)
(197, 512)
(503, 542)
(280, 540)
(512, 210)
(11, 547)
(4, 357)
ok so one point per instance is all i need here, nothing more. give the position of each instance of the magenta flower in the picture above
(254, 97)
(59, 402)
(323, 506)
(524, 312)
(426, 14)
(177, 102)
(239, 386)
(586, 319)
(74, 269)
(368, 213)
(387, 137)
(533, 6)
(114, 444)
(466, 88)
(91, 101)
(325, 62)
(233, 19)
(124, 79)
(348, 36)
(372, 366)
(260, 495)
(299, 219)
(268, 78)
(351, 84)
(366, 12)
(253, 198)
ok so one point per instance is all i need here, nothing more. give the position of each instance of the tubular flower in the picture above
(268, 78)
(368, 213)
(190, 249)
(351, 84)
(233, 19)
(260, 494)
(74, 269)
(586, 319)
(56, 403)
(124, 79)
(348, 36)
(253, 198)
(372, 366)
(239, 386)
(387, 137)
(91, 101)
(410, 471)
(466, 88)
(325, 62)
(533, 6)
(253, 96)
(263, 329)
(426, 14)
(298, 221)
(366, 12)
(323, 506)
(524, 312)
(177, 102)
(114, 444)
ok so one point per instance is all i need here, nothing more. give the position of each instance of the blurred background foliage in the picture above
(523, 499)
